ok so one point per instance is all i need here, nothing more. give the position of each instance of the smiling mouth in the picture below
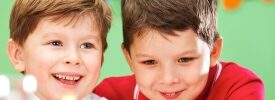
(68, 80)
(171, 95)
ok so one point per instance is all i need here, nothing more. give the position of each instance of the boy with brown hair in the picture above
(173, 49)
(61, 43)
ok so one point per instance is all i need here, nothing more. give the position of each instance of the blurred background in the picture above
(247, 26)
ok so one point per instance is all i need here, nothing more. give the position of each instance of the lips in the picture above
(171, 95)
(69, 80)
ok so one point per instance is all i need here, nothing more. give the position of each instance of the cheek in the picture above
(36, 60)
(146, 82)
(92, 65)
(145, 76)
(43, 54)
(144, 79)
(202, 65)
(92, 62)
(40, 64)
(197, 72)
(195, 82)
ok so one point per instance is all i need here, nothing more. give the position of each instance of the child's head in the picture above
(60, 42)
(170, 45)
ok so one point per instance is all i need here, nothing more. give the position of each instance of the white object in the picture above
(4, 86)
(29, 84)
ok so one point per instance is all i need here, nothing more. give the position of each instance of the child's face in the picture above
(170, 67)
(65, 58)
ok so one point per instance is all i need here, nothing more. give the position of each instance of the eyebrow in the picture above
(92, 37)
(191, 51)
(49, 34)
(143, 55)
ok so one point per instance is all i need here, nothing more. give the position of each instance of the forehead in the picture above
(151, 37)
(74, 20)
(68, 27)
(85, 23)
(153, 41)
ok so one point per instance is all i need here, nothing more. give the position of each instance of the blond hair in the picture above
(26, 14)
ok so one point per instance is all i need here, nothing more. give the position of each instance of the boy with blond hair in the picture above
(61, 43)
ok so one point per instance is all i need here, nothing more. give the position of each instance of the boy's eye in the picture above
(149, 62)
(185, 60)
(87, 45)
(56, 43)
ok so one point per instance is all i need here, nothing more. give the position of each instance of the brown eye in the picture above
(87, 45)
(185, 59)
(149, 62)
(56, 43)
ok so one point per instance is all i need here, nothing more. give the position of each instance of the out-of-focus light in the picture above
(5, 86)
(29, 84)
(268, 1)
(69, 97)
(231, 4)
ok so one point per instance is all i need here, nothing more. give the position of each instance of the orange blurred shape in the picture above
(268, 1)
(231, 4)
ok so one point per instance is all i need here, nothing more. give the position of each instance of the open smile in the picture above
(68, 80)
(171, 95)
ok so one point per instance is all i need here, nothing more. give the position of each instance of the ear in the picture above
(216, 51)
(15, 54)
(127, 57)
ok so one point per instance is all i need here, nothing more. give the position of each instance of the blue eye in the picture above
(87, 45)
(55, 43)
(149, 62)
(185, 59)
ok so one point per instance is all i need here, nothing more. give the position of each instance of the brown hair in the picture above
(26, 14)
(168, 15)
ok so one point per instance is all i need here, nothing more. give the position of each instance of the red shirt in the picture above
(233, 82)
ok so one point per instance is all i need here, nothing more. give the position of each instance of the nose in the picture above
(72, 61)
(169, 75)
(71, 57)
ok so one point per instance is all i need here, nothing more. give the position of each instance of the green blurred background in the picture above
(248, 32)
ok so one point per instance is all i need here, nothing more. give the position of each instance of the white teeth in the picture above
(67, 78)
(76, 78)
(170, 94)
(63, 77)
(70, 78)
